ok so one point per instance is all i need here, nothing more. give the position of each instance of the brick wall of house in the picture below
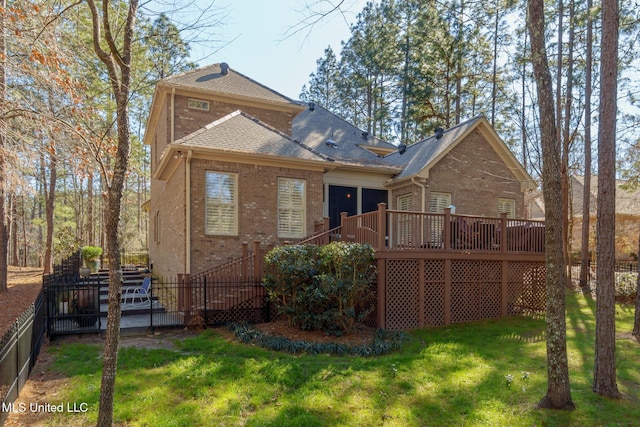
(257, 205)
(167, 246)
(189, 120)
(476, 177)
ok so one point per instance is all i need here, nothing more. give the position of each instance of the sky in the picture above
(254, 37)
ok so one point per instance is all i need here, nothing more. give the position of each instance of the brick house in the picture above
(233, 161)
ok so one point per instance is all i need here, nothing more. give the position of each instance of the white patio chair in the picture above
(142, 292)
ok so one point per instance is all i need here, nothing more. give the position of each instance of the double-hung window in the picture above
(221, 203)
(291, 207)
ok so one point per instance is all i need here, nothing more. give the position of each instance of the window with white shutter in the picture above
(221, 203)
(439, 201)
(292, 202)
(405, 226)
(508, 206)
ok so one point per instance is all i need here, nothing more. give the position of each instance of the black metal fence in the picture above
(73, 307)
(19, 349)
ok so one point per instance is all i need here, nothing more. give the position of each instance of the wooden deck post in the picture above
(382, 227)
(257, 262)
(325, 229)
(504, 287)
(447, 229)
(447, 291)
(381, 303)
(503, 232)
(245, 261)
(421, 292)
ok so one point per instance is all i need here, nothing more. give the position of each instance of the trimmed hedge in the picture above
(322, 287)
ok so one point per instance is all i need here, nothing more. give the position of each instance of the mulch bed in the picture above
(24, 285)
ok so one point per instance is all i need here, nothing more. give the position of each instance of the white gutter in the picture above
(188, 213)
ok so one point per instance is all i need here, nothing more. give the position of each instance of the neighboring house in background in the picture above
(234, 161)
(627, 217)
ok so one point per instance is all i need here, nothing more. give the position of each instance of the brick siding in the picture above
(474, 175)
(257, 206)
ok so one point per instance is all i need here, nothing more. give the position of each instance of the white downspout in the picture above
(424, 203)
(188, 213)
(423, 195)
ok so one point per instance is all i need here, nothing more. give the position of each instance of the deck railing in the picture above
(387, 229)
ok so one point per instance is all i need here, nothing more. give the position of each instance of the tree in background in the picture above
(604, 374)
(558, 394)
(3, 126)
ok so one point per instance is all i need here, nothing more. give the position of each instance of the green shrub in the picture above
(321, 287)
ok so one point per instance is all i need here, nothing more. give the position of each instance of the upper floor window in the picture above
(291, 207)
(221, 203)
(198, 104)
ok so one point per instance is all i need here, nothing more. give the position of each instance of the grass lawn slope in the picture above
(488, 373)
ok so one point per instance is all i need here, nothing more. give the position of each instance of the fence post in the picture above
(184, 295)
(382, 226)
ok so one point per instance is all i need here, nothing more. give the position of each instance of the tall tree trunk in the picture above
(494, 78)
(585, 258)
(636, 318)
(3, 171)
(558, 391)
(604, 374)
(90, 238)
(14, 230)
(50, 204)
(567, 213)
(118, 60)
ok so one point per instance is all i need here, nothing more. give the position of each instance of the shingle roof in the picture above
(210, 79)
(422, 153)
(240, 132)
(315, 127)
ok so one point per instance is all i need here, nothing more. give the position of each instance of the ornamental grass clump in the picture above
(322, 287)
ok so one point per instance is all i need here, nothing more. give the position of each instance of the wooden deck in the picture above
(394, 230)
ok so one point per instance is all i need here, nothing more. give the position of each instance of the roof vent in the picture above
(365, 135)
(224, 68)
(312, 106)
(402, 148)
(331, 143)
(439, 132)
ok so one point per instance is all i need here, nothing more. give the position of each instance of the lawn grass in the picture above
(453, 375)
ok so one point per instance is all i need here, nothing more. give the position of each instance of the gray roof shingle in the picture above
(422, 153)
(210, 79)
(315, 127)
(240, 132)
